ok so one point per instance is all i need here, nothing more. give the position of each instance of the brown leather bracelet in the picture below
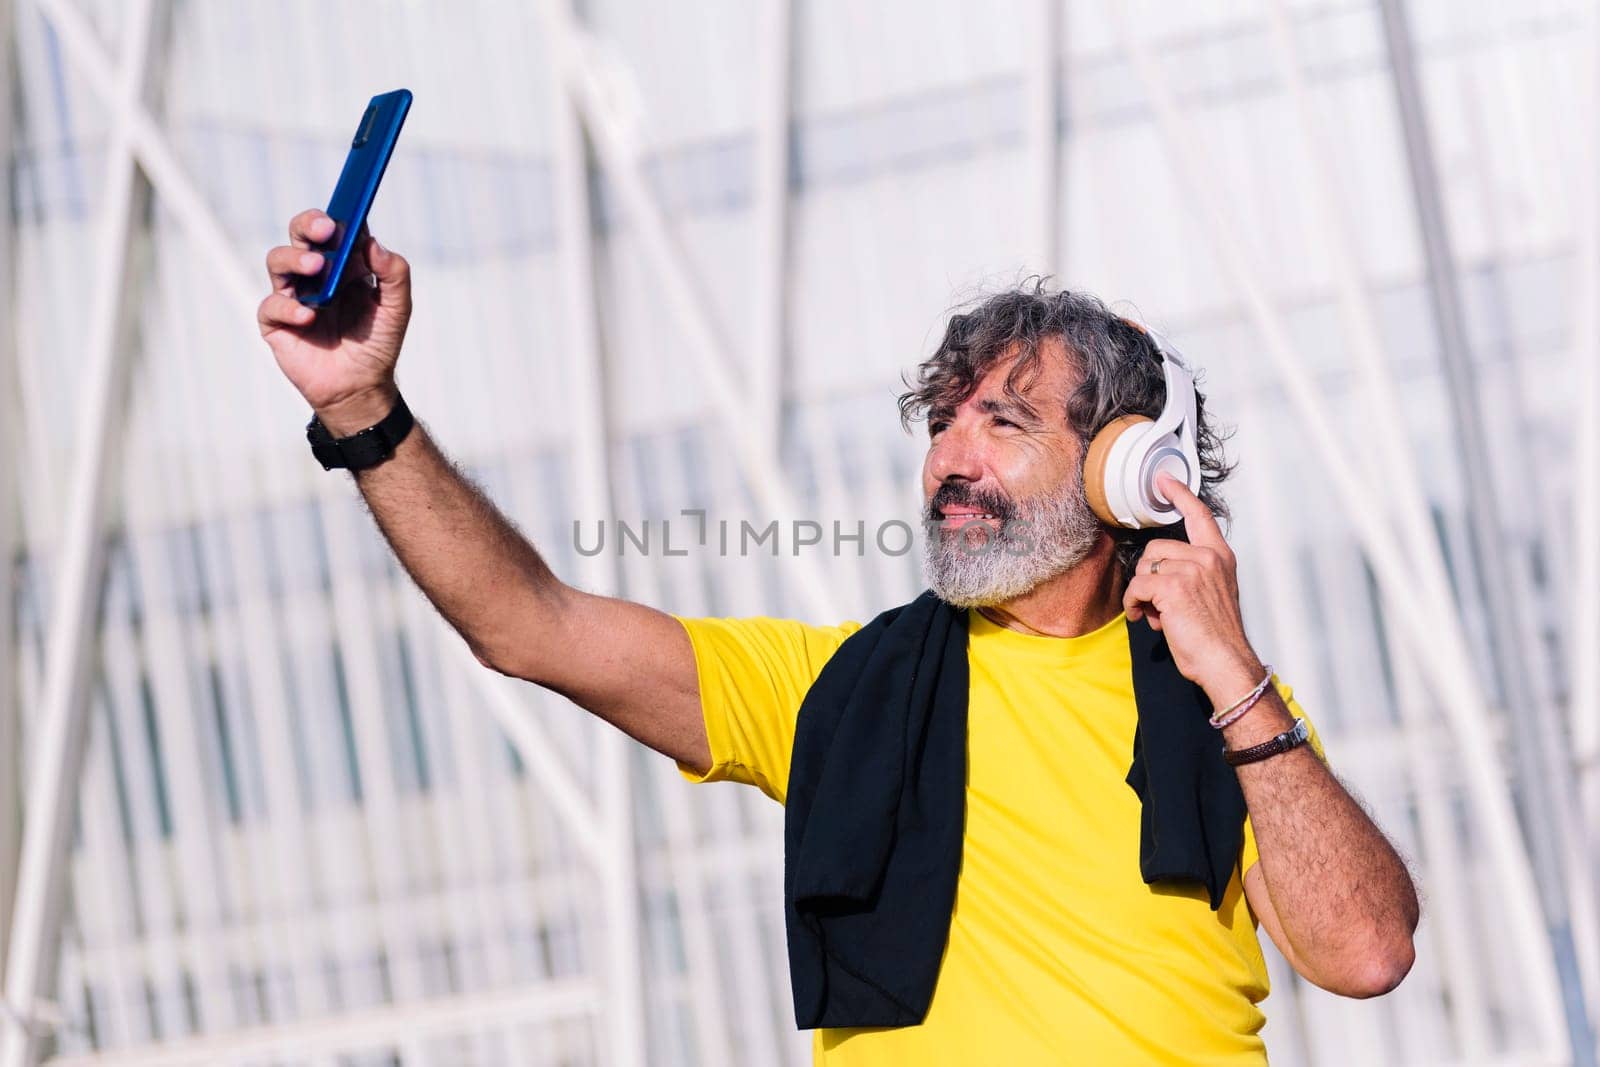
(1294, 738)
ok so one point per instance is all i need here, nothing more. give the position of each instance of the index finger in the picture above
(310, 228)
(1198, 521)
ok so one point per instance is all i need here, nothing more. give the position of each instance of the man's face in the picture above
(1003, 487)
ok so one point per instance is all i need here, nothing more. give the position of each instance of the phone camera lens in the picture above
(365, 130)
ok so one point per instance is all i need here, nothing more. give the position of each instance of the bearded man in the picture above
(1012, 834)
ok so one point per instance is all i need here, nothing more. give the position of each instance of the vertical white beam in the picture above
(595, 92)
(284, 876)
(1451, 919)
(704, 943)
(195, 894)
(152, 854)
(1042, 126)
(386, 867)
(10, 503)
(624, 1037)
(57, 752)
(1433, 630)
(742, 905)
(483, 787)
(98, 879)
(702, 940)
(769, 351)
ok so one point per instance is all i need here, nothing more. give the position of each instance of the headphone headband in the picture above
(1162, 346)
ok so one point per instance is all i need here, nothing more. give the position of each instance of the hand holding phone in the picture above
(340, 346)
(352, 198)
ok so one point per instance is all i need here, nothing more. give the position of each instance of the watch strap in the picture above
(368, 448)
(1292, 738)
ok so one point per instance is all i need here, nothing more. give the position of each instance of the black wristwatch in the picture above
(1285, 741)
(361, 450)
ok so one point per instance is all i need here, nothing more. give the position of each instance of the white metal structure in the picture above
(258, 805)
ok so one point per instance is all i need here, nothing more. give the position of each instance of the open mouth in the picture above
(953, 509)
(957, 519)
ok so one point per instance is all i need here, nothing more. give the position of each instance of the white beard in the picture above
(974, 566)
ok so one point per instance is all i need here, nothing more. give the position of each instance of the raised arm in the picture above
(630, 664)
(1332, 892)
(1330, 889)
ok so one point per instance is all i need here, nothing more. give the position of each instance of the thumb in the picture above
(391, 269)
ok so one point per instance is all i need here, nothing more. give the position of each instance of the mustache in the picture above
(956, 494)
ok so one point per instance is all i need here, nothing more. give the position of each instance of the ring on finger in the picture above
(1155, 566)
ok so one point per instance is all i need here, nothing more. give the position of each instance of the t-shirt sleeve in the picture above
(753, 675)
(1249, 856)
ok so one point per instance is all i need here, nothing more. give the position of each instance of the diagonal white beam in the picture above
(597, 92)
(1452, 916)
(57, 750)
(590, 88)
(1330, 215)
(156, 157)
(207, 234)
(1433, 629)
(210, 237)
(1539, 754)
(148, 144)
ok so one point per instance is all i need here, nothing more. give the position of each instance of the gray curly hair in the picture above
(1122, 375)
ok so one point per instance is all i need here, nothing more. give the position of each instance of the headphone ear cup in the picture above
(1095, 485)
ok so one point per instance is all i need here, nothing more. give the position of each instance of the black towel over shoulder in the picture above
(876, 809)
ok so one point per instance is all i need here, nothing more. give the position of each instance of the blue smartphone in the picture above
(352, 197)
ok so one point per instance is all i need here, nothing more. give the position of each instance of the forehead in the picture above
(1050, 377)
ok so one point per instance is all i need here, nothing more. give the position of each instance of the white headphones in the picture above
(1121, 463)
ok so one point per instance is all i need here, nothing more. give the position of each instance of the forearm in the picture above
(1341, 894)
(467, 558)
(1329, 887)
(627, 663)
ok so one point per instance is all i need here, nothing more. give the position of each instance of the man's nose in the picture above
(956, 454)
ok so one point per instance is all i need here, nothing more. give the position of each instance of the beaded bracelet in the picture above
(1235, 711)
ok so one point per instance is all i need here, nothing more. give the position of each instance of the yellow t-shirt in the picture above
(1058, 951)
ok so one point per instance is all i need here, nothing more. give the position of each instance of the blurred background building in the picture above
(259, 806)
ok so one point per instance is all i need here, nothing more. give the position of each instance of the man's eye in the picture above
(998, 421)
(937, 427)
